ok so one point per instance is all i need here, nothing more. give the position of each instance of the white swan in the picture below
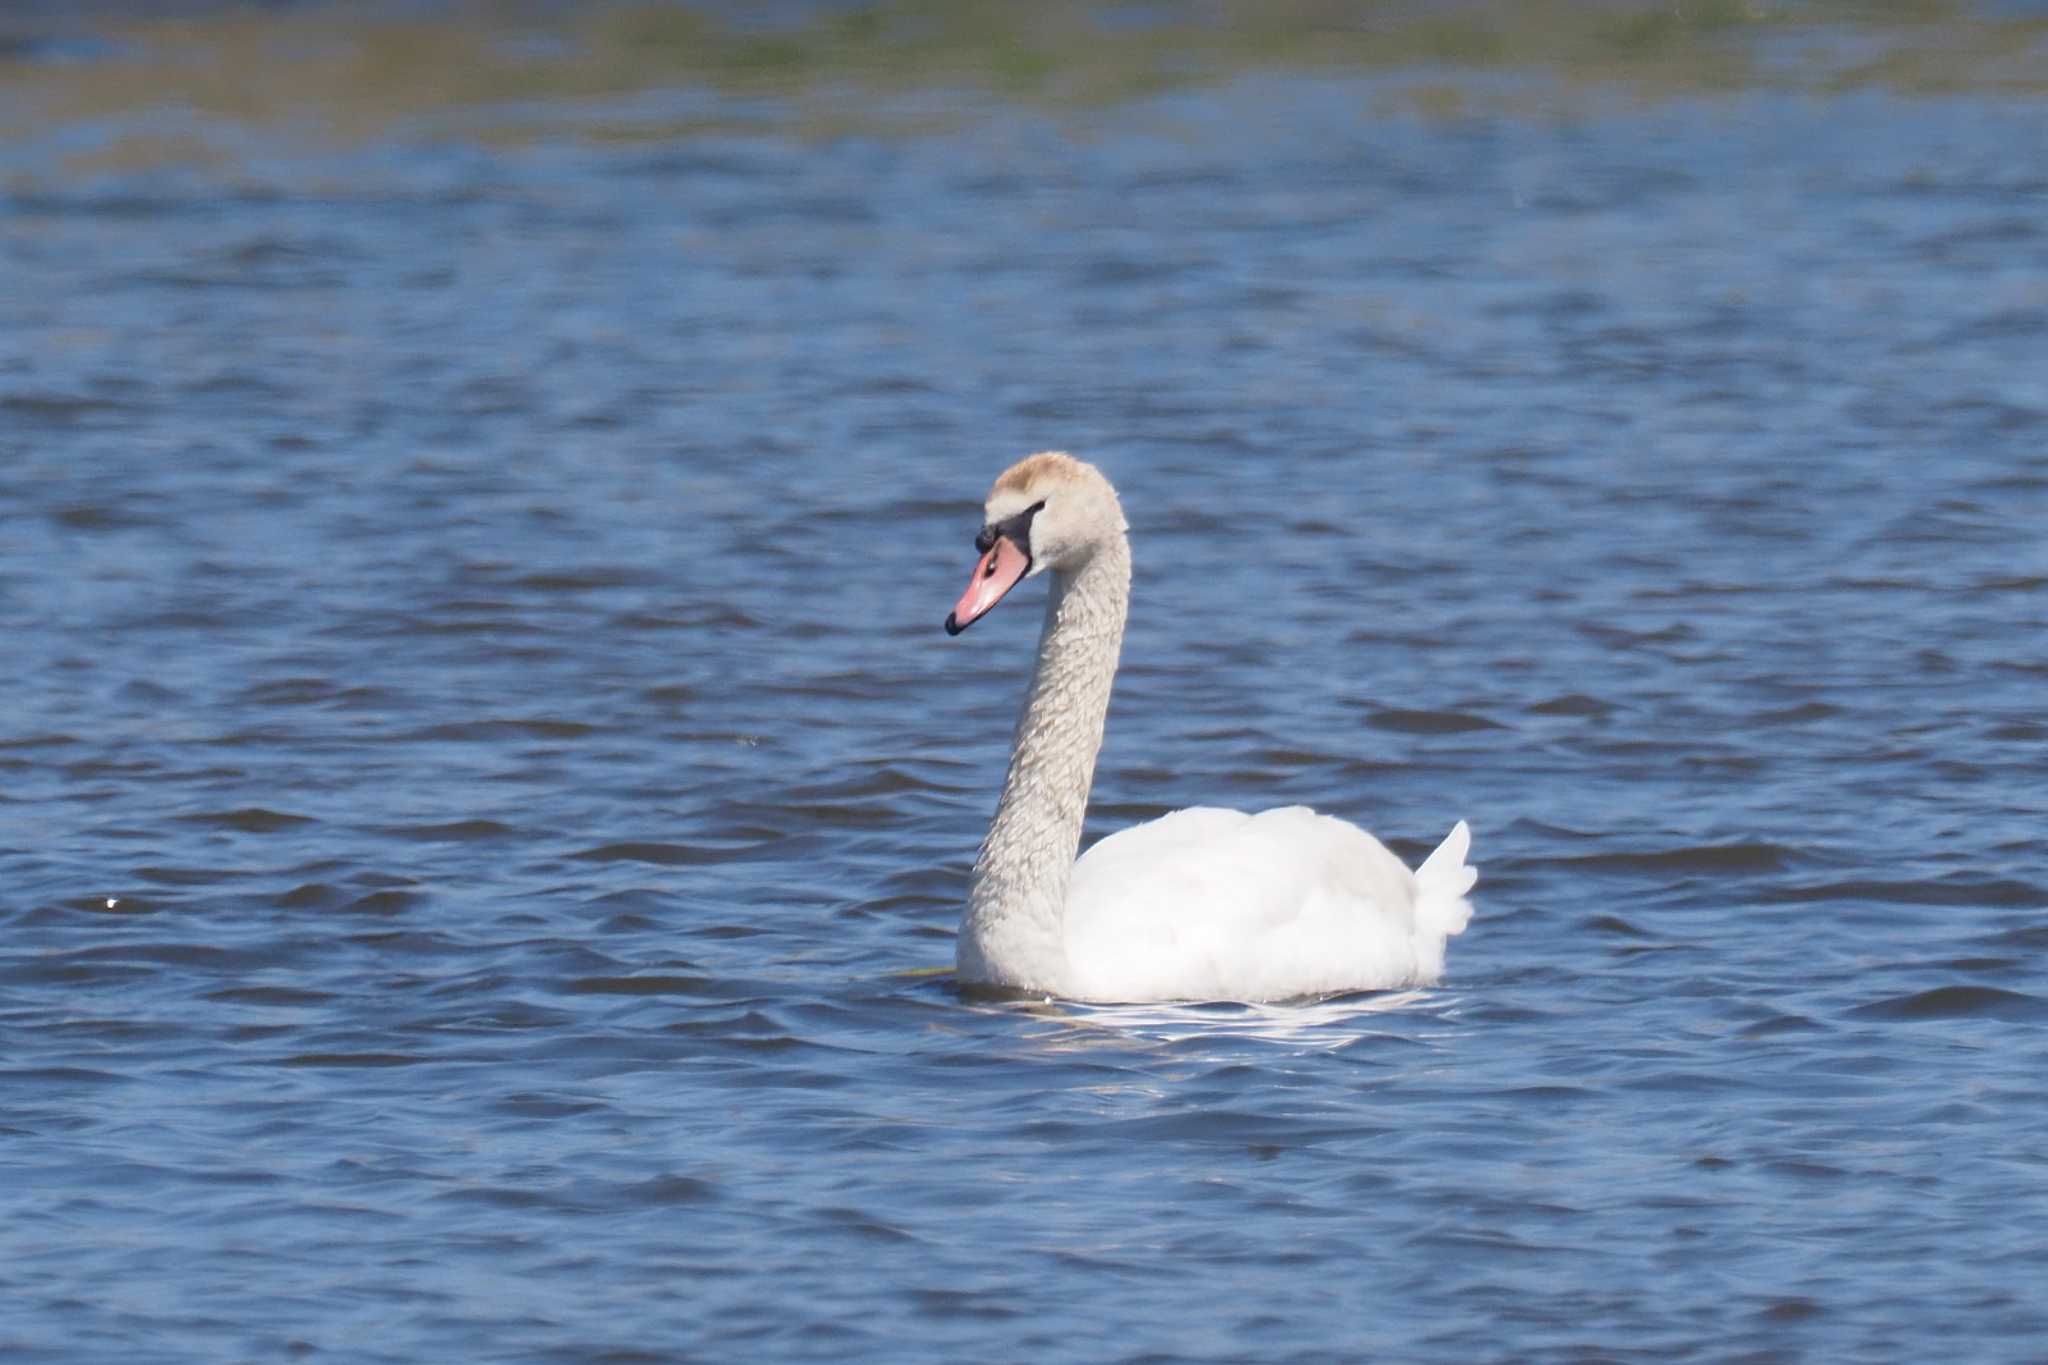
(1202, 904)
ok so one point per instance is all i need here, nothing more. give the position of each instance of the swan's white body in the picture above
(1202, 904)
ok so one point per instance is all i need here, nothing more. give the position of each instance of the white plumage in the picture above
(1202, 904)
(1209, 904)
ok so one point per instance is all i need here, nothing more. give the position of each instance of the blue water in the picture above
(485, 797)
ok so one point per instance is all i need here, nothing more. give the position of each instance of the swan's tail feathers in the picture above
(1443, 879)
(1445, 869)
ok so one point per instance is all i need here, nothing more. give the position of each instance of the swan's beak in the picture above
(1000, 570)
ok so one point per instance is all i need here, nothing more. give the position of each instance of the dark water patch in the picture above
(271, 997)
(528, 1105)
(452, 831)
(1998, 419)
(74, 409)
(486, 731)
(709, 159)
(918, 907)
(1283, 758)
(1111, 272)
(292, 692)
(471, 983)
(1552, 1096)
(99, 516)
(1989, 966)
(50, 741)
(385, 903)
(693, 617)
(841, 815)
(1223, 1126)
(1999, 325)
(179, 954)
(248, 820)
(636, 985)
(1782, 1024)
(1806, 1170)
(725, 931)
(846, 685)
(1804, 713)
(869, 781)
(1622, 639)
(501, 1016)
(148, 690)
(312, 896)
(1743, 857)
(937, 880)
(462, 624)
(1957, 1002)
(1697, 1084)
(239, 385)
(111, 205)
(863, 1227)
(594, 579)
(666, 854)
(1571, 704)
(669, 1190)
(1612, 924)
(955, 1305)
(1954, 889)
(1408, 722)
(224, 272)
(60, 1075)
(191, 876)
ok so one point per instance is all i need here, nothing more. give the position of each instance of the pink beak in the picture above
(1000, 570)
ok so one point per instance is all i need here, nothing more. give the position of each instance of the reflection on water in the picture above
(1303, 1025)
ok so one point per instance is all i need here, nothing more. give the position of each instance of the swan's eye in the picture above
(1017, 529)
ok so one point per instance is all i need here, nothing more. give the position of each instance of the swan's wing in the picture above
(1217, 904)
(1158, 843)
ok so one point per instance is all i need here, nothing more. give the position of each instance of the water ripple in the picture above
(487, 802)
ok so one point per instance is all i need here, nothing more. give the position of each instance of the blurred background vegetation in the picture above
(500, 69)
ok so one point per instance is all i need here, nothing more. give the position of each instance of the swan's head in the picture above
(1047, 511)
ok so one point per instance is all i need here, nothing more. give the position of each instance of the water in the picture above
(485, 798)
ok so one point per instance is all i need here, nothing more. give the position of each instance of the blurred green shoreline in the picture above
(512, 71)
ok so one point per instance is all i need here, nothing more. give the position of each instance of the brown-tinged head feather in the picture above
(1047, 464)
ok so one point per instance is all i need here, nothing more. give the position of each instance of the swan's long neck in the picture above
(1013, 934)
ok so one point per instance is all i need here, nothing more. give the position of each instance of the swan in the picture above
(1201, 904)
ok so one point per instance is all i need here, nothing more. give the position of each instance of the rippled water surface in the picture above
(485, 798)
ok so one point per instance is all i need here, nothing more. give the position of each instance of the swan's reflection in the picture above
(1326, 1023)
